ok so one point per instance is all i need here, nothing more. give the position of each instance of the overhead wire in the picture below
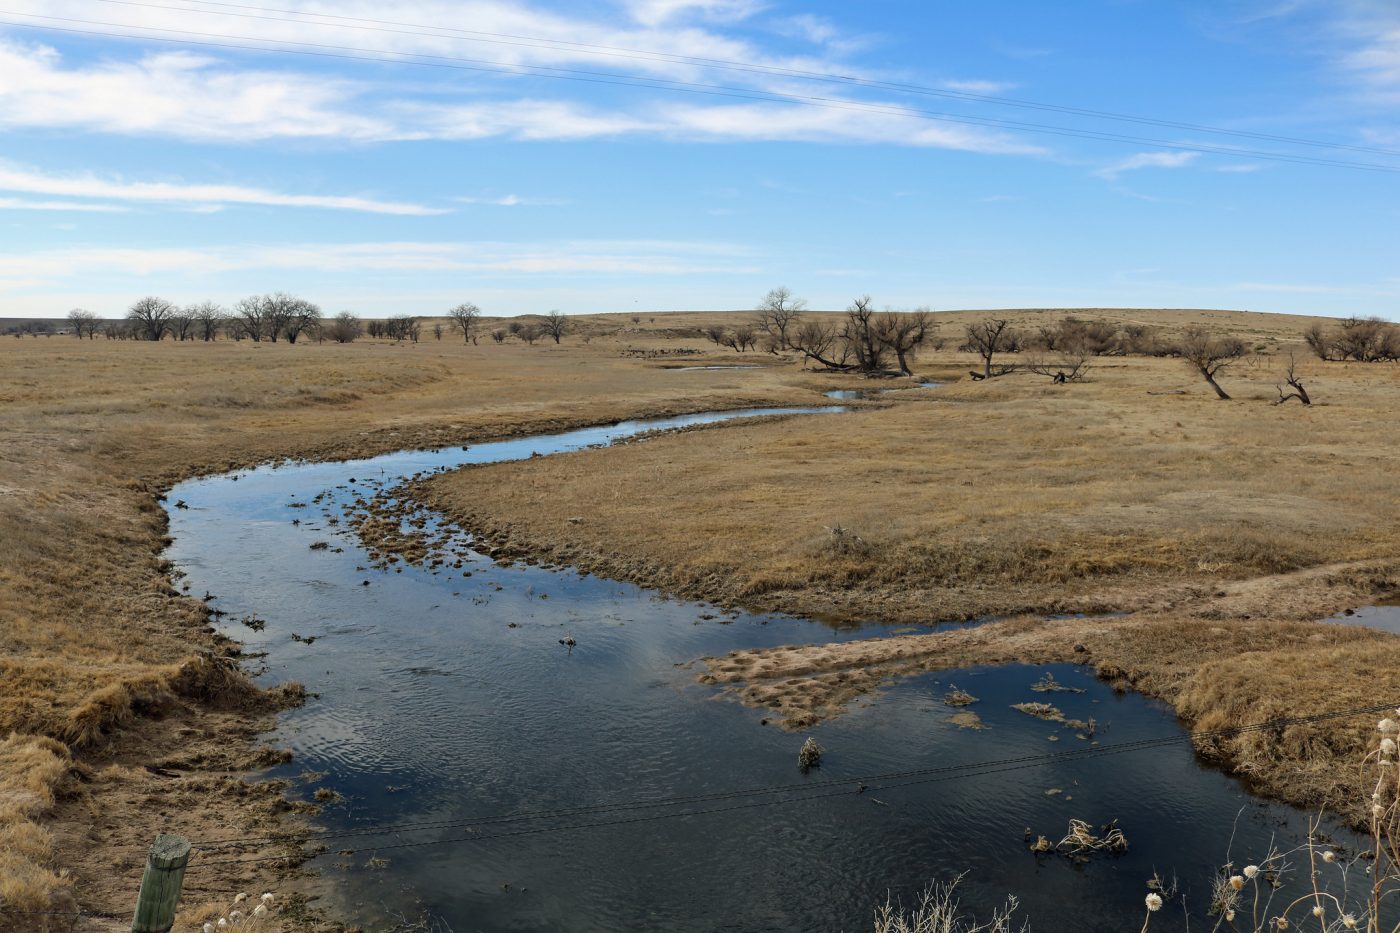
(381, 56)
(788, 793)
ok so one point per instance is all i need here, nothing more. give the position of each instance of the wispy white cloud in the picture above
(510, 200)
(24, 204)
(661, 12)
(1147, 160)
(1239, 168)
(980, 87)
(192, 196)
(205, 97)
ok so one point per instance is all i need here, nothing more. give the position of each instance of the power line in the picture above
(790, 793)
(623, 80)
(645, 55)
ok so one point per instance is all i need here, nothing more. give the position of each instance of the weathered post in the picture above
(160, 884)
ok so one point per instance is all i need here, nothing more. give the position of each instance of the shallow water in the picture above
(448, 697)
(1384, 617)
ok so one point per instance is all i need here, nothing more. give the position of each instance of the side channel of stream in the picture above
(447, 696)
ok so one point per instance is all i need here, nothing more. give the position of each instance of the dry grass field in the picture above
(1220, 526)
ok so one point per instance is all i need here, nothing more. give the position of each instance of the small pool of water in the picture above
(445, 695)
(1384, 617)
(696, 369)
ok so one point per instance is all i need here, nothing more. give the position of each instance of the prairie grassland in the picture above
(124, 713)
(123, 718)
(1221, 529)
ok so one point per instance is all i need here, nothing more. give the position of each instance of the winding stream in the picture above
(445, 695)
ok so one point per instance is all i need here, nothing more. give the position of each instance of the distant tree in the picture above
(515, 327)
(499, 335)
(820, 343)
(344, 328)
(860, 332)
(904, 333)
(403, 327)
(437, 331)
(465, 317)
(1294, 382)
(555, 325)
(1209, 354)
(779, 314)
(151, 316)
(987, 338)
(251, 317)
(181, 326)
(84, 323)
(207, 318)
(529, 333)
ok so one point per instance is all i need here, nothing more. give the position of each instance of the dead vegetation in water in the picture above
(1081, 842)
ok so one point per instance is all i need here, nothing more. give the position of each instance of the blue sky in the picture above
(131, 166)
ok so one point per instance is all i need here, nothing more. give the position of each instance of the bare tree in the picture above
(207, 317)
(988, 338)
(1069, 366)
(403, 327)
(1209, 354)
(716, 335)
(251, 317)
(498, 335)
(464, 318)
(904, 333)
(739, 339)
(818, 342)
(779, 315)
(528, 333)
(437, 331)
(555, 325)
(151, 315)
(84, 323)
(1295, 382)
(860, 334)
(182, 325)
(344, 328)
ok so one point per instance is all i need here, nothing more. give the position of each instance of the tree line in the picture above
(280, 316)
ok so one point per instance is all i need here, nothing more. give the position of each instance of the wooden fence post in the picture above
(160, 885)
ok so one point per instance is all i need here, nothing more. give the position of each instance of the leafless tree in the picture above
(779, 315)
(499, 335)
(437, 331)
(344, 328)
(514, 327)
(1068, 366)
(987, 338)
(1209, 354)
(464, 318)
(288, 316)
(556, 325)
(251, 317)
(207, 317)
(529, 333)
(818, 342)
(182, 325)
(860, 334)
(739, 339)
(1295, 382)
(716, 334)
(151, 315)
(403, 327)
(904, 333)
(84, 323)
